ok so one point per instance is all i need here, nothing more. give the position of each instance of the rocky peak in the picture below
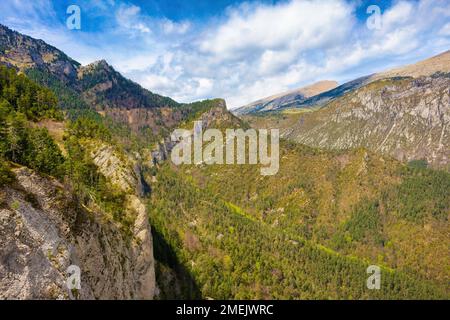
(96, 66)
(99, 84)
(24, 52)
(101, 63)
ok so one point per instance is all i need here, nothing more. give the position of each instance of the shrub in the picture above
(6, 175)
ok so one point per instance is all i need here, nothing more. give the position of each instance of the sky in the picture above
(238, 50)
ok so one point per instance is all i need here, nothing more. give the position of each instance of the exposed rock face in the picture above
(24, 52)
(104, 87)
(98, 83)
(125, 173)
(219, 117)
(44, 231)
(404, 118)
(162, 150)
(141, 118)
(114, 166)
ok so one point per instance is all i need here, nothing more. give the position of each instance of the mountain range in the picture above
(325, 91)
(286, 99)
(403, 113)
(85, 180)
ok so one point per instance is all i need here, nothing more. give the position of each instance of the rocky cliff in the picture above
(405, 118)
(44, 231)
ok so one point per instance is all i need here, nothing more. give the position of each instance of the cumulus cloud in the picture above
(170, 27)
(129, 17)
(445, 31)
(259, 50)
(251, 50)
(297, 25)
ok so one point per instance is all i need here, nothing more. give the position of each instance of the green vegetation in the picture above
(6, 175)
(43, 154)
(192, 111)
(68, 98)
(423, 194)
(89, 184)
(233, 257)
(20, 94)
(225, 232)
(355, 202)
(89, 127)
(418, 164)
(31, 147)
(364, 225)
(22, 101)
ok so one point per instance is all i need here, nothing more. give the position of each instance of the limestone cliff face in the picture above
(44, 231)
(404, 118)
(217, 117)
(125, 173)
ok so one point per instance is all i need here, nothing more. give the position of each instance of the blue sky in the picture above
(237, 50)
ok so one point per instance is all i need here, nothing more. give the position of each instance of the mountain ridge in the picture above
(223, 231)
(280, 100)
(406, 118)
(26, 53)
(427, 67)
(97, 86)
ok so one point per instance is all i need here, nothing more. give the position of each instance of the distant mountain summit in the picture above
(403, 113)
(286, 99)
(99, 83)
(95, 86)
(24, 53)
(104, 87)
(428, 67)
(327, 92)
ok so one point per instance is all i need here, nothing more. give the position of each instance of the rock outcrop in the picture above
(405, 118)
(44, 231)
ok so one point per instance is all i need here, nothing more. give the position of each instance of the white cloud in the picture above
(129, 17)
(204, 86)
(251, 51)
(262, 50)
(135, 63)
(170, 27)
(295, 25)
(445, 31)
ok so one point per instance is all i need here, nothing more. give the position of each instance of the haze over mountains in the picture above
(85, 180)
